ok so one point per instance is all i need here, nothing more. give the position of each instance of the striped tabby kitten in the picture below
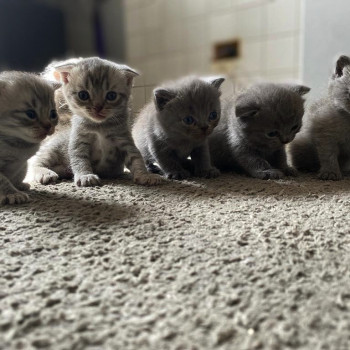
(27, 116)
(93, 140)
(176, 125)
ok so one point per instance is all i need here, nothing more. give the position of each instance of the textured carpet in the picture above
(232, 263)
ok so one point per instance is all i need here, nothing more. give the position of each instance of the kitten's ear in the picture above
(341, 63)
(299, 89)
(246, 110)
(162, 97)
(215, 81)
(62, 73)
(130, 74)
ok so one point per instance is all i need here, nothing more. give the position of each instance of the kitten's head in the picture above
(94, 88)
(339, 84)
(27, 107)
(269, 115)
(189, 107)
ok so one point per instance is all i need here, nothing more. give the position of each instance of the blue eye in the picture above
(213, 115)
(111, 96)
(272, 134)
(188, 120)
(53, 114)
(31, 114)
(83, 95)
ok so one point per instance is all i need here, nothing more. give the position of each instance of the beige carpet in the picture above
(233, 263)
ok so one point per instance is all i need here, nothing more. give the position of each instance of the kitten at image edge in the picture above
(324, 144)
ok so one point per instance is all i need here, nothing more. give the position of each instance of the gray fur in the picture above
(20, 135)
(324, 143)
(94, 141)
(241, 140)
(162, 136)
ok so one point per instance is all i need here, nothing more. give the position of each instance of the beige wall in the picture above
(166, 39)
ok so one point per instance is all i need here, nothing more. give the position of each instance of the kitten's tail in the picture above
(303, 154)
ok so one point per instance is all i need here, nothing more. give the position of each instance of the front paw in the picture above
(88, 180)
(23, 186)
(273, 174)
(14, 198)
(290, 171)
(207, 173)
(330, 175)
(178, 175)
(148, 179)
(46, 177)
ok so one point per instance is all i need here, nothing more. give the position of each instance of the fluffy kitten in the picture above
(27, 116)
(254, 128)
(176, 125)
(93, 140)
(324, 143)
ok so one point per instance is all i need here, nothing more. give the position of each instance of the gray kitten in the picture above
(324, 143)
(176, 125)
(93, 139)
(254, 128)
(27, 116)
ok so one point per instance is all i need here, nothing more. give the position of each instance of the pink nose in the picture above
(98, 108)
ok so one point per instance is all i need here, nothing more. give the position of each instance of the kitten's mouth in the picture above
(98, 116)
(41, 136)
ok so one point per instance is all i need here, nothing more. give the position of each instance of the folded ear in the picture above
(162, 97)
(342, 62)
(62, 73)
(215, 81)
(299, 89)
(129, 73)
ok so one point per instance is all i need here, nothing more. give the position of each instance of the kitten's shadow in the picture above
(78, 208)
(241, 185)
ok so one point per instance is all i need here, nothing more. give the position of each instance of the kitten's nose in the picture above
(205, 127)
(98, 108)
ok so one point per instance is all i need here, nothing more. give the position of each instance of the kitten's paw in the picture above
(207, 173)
(178, 175)
(148, 179)
(14, 198)
(273, 174)
(330, 175)
(23, 186)
(46, 177)
(152, 168)
(88, 180)
(290, 171)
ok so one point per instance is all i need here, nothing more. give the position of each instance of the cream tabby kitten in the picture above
(27, 116)
(93, 141)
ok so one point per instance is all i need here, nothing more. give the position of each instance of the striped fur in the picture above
(93, 140)
(27, 116)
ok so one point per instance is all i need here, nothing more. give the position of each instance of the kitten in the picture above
(254, 128)
(93, 140)
(176, 125)
(27, 116)
(324, 143)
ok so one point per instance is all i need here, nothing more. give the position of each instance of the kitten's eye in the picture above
(53, 114)
(31, 114)
(188, 120)
(83, 95)
(213, 115)
(111, 96)
(272, 134)
(295, 127)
